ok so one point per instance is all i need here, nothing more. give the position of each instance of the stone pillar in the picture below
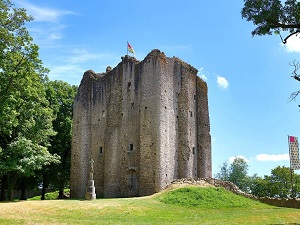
(90, 193)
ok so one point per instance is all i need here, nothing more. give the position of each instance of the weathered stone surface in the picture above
(144, 124)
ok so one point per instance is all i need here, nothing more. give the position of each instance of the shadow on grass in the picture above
(285, 224)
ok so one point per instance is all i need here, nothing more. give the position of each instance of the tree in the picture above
(22, 158)
(224, 172)
(61, 96)
(25, 115)
(280, 183)
(277, 185)
(236, 173)
(273, 17)
(258, 186)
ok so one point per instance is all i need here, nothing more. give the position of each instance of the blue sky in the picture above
(248, 77)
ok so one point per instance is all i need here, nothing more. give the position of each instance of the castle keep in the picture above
(144, 124)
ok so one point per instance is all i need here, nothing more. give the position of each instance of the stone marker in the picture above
(90, 193)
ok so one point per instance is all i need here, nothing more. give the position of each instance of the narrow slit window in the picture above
(129, 85)
(131, 147)
(100, 150)
(193, 150)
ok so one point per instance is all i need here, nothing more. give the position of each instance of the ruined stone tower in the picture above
(144, 124)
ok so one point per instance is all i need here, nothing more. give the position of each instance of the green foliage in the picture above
(278, 184)
(23, 157)
(236, 173)
(25, 115)
(224, 172)
(273, 16)
(216, 198)
(258, 186)
(61, 96)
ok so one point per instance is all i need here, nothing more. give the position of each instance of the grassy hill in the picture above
(189, 205)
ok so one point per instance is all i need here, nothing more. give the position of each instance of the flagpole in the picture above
(127, 47)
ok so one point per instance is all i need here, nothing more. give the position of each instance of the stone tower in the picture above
(144, 123)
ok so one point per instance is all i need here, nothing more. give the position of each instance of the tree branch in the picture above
(296, 76)
(275, 24)
(291, 34)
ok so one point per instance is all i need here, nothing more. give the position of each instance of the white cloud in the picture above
(201, 74)
(43, 14)
(222, 82)
(231, 159)
(275, 158)
(293, 44)
(78, 55)
(47, 28)
(59, 72)
(72, 63)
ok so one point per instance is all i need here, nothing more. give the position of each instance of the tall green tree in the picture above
(25, 115)
(236, 172)
(61, 96)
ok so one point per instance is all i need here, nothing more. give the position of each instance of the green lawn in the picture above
(181, 206)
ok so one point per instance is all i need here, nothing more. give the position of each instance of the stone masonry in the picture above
(144, 124)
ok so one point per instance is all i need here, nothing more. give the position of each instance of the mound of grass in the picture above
(206, 197)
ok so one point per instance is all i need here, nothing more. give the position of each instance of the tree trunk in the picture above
(61, 190)
(45, 185)
(61, 194)
(11, 183)
(23, 189)
(3, 188)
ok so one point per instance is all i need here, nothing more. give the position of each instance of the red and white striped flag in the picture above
(294, 152)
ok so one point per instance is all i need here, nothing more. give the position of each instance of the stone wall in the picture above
(144, 124)
(280, 202)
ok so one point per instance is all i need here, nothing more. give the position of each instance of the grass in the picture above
(208, 198)
(180, 206)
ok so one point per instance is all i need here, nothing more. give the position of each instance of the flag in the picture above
(130, 49)
(294, 152)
